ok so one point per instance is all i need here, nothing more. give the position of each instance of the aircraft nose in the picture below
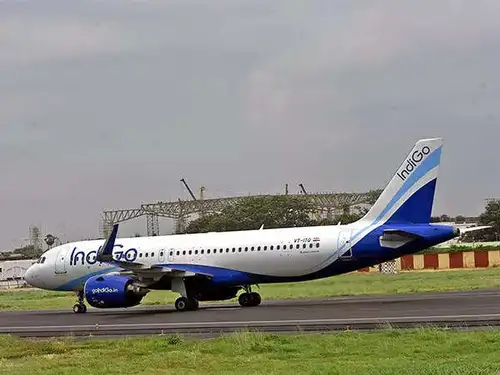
(30, 276)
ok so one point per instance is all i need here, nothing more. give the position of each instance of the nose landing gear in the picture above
(80, 307)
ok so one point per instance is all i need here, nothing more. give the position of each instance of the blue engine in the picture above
(112, 291)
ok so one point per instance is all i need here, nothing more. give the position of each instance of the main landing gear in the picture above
(186, 304)
(249, 298)
(80, 307)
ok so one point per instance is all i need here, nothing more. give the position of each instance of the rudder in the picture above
(409, 196)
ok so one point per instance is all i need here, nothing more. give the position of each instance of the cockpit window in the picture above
(41, 260)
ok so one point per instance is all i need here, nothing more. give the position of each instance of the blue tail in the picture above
(409, 196)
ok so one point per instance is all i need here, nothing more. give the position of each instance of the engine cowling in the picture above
(112, 291)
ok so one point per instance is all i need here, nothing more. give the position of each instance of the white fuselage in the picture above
(289, 252)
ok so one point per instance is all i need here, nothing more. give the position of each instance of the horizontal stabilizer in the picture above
(396, 238)
(474, 229)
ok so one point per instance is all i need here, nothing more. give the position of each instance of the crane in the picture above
(200, 202)
(188, 188)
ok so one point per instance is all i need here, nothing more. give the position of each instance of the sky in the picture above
(108, 104)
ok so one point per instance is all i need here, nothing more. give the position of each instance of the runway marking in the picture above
(255, 322)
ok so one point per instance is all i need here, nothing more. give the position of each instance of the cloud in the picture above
(30, 39)
(370, 37)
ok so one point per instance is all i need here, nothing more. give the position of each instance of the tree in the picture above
(281, 211)
(491, 216)
(445, 219)
(28, 251)
(252, 212)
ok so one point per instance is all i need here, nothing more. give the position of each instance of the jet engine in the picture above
(113, 291)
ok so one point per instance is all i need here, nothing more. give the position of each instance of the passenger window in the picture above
(265, 248)
(152, 254)
(190, 252)
(252, 248)
(196, 252)
(311, 245)
(246, 248)
(227, 250)
(284, 247)
(161, 254)
(234, 249)
(258, 248)
(208, 251)
(278, 247)
(317, 244)
(171, 253)
(140, 255)
(272, 247)
(304, 246)
(239, 250)
(178, 253)
(184, 252)
(298, 246)
(146, 255)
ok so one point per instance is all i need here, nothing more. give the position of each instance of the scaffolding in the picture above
(325, 204)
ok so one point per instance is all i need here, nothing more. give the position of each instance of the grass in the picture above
(343, 285)
(391, 352)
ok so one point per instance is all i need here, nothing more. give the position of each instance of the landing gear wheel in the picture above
(193, 304)
(79, 308)
(244, 299)
(249, 299)
(186, 304)
(255, 297)
(181, 304)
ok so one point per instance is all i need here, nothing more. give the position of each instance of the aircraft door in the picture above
(60, 264)
(344, 244)
(161, 255)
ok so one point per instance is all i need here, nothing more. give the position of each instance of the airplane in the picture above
(119, 272)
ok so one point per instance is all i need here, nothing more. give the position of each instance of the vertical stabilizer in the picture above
(409, 196)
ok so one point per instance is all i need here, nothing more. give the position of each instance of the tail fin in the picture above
(409, 196)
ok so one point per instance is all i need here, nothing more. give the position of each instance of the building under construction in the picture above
(323, 205)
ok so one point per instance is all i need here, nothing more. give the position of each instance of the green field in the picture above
(343, 285)
(390, 352)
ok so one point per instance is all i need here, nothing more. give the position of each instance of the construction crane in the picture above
(188, 188)
(315, 212)
(202, 190)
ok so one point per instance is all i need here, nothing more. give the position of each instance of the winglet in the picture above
(105, 253)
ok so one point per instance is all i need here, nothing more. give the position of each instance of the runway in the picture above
(461, 310)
